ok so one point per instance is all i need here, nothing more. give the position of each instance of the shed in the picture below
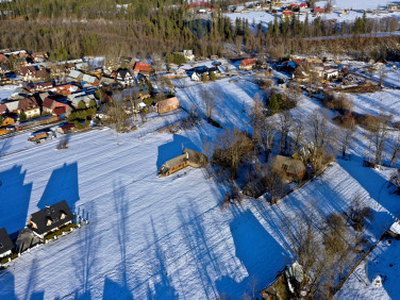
(189, 157)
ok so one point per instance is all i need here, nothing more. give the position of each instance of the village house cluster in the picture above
(51, 91)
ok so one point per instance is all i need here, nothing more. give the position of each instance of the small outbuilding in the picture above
(167, 105)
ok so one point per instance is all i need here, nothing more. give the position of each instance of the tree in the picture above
(298, 130)
(273, 104)
(320, 135)
(22, 116)
(204, 77)
(348, 135)
(358, 213)
(285, 124)
(396, 149)
(379, 132)
(213, 76)
(117, 116)
(209, 96)
(1, 120)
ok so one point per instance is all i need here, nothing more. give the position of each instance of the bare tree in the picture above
(117, 116)
(209, 101)
(382, 76)
(320, 135)
(298, 130)
(348, 135)
(263, 129)
(396, 148)
(380, 131)
(285, 124)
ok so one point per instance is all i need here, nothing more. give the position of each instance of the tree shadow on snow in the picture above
(258, 252)
(7, 286)
(173, 149)
(15, 198)
(85, 259)
(201, 252)
(374, 184)
(120, 289)
(62, 185)
(163, 287)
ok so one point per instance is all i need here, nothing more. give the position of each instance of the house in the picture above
(34, 73)
(40, 56)
(6, 244)
(167, 105)
(7, 121)
(66, 128)
(188, 158)
(247, 64)
(12, 106)
(125, 77)
(142, 68)
(76, 75)
(90, 79)
(29, 106)
(57, 105)
(318, 10)
(292, 169)
(50, 219)
(3, 109)
(65, 89)
(303, 5)
(188, 54)
(286, 14)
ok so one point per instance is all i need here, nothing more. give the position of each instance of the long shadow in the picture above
(374, 184)
(173, 149)
(62, 185)
(120, 289)
(259, 253)
(163, 287)
(85, 259)
(7, 286)
(205, 259)
(14, 199)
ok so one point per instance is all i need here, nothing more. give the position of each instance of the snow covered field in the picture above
(377, 277)
(153, 237)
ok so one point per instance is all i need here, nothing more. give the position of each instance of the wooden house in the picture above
(142, 68)
(291, 168)
(188, 158)
(50, 219)
(167, 105)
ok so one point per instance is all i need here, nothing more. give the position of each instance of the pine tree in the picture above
(22, 116)
(273, 104)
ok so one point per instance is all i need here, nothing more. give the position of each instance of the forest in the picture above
(71, 29)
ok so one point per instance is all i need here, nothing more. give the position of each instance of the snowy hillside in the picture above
(153, 237)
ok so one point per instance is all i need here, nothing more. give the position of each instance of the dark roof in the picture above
(54, 215)
(5, 241)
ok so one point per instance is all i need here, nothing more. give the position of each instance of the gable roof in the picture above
(288, 165)
(5, 241)
(248, 62)
(27, 104)
(142, 67)
(51, 217)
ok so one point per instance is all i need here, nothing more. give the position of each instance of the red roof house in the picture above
(318, 10)
(247, 64)
(141, 68)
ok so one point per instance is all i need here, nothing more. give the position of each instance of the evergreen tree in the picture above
(22, 116)
(273, 104)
